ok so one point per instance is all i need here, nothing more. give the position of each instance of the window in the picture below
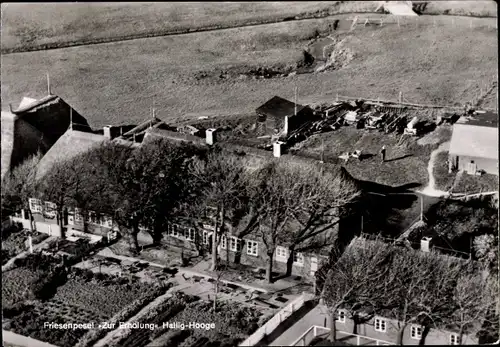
(380, 325)
(281, 253)
(235, 244)
(92, 218)
(223, 242)
(106, 221)
(252, 248)
(78, 215)
(416, 332)
(35, 205)
(341, 316)
(298, 258)
(50, 209)
(454, 339)
(206, 237)
(190, 234)
(182, 233)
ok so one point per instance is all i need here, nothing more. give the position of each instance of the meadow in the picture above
(34, 26)
(119, 82)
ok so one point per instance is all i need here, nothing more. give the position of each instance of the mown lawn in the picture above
(117, 83)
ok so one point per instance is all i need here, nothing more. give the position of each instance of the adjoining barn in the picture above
(474, 144)
(280, 117)
(35, 126)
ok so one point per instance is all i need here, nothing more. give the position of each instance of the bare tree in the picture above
(221, 180)
(19, 185)
(474, 299)
(323, 199)
(356, 280)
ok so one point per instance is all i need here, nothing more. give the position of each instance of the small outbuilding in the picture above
(281, 117)
(474, 144)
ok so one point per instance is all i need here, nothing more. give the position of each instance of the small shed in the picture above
(282, 116)
(474, 144)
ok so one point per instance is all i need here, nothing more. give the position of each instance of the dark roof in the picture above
(51, 116)
(71, 144)
(19, 141)
(278, 107)
(481, 118)
(154, 133)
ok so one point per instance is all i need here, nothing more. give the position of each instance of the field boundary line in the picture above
(146, 35)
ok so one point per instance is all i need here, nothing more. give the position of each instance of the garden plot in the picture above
(233, 323)
(15, 243)
(15, 284)
(102, 297)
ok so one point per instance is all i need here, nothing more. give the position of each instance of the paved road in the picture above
(22, 341)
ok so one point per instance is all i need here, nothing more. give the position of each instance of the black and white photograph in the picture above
(218, 174)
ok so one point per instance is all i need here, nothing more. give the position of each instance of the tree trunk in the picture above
(333, 327)
(400, 336)
(355, 320)
(133, 242)
(32, 220)
(215, 239)
(289, 262)
(460, 335)
(269, 270)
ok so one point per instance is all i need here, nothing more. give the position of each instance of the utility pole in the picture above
(421, 207)
(295, 108)
(400, 97)
(70, 118)
(48, 85)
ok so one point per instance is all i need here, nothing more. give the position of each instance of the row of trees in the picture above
(411, 287)
(159, 183)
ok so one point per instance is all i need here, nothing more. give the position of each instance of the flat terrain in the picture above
(26, 26)
(118, 83)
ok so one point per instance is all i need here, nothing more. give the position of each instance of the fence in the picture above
(423, 21)
(406, 103)
(276, 320)
(321, 332)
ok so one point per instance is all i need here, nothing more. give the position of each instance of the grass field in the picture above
(406, 161)
(26, 26)
(117, 83)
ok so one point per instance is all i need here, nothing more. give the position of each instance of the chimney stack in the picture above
(425, 244)
(211, 136)
(107, 132)
(277, 149)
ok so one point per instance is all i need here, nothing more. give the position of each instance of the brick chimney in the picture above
(211, 137)
(277, 149)
(107, 132)
(425, 244)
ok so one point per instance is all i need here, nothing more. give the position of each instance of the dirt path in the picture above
(19, 340)
(431, 190)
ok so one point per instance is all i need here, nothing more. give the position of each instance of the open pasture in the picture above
(118, 83)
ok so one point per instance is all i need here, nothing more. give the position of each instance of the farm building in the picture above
(383, 326)
(474, 144)
(35, 125)
(70, 145)
(19, 141)
(280, 117)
